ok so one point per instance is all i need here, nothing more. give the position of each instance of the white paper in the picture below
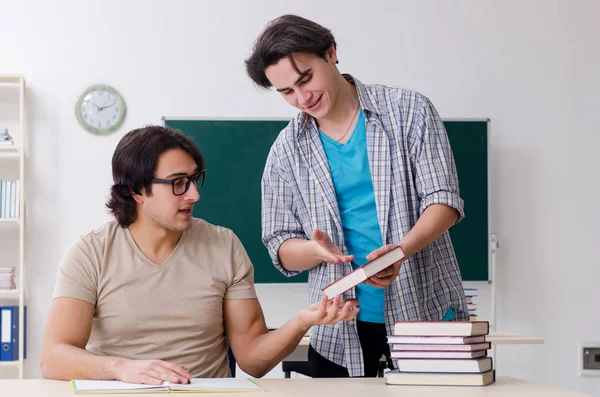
(91, 385)
(216, 384)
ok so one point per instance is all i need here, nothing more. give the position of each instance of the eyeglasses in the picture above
(182, 184)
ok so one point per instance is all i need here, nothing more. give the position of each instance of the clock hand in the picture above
(105, 107)
(108, 99)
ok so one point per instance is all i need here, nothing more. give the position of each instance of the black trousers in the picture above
(373, 340)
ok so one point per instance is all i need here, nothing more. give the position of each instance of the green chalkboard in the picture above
(470, 237)
(235, 152)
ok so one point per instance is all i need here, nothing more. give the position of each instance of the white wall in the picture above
(530, 66)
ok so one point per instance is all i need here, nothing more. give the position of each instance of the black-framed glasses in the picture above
(182, 184)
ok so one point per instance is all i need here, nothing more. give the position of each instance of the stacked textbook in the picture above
(7, 278)
(471, 295)
(441, 353)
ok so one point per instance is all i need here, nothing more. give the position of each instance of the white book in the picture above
(439, 379)
(13, 200)
(438, 354)
(17, 197)
(439, 348)
(476, 365)
(7, 202)
(362, 273)
(4, 200)
(196, 385)
(441, 328)
(433, 340)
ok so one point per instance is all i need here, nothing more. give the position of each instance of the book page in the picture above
(110, 385)
(217, 384)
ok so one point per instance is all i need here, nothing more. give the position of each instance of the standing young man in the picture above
(158, 295)
(360, 170)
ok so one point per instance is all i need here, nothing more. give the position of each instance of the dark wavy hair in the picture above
(283, 37)
(134, 163)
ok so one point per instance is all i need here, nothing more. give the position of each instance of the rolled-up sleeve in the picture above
(433, 162)
(279, 221)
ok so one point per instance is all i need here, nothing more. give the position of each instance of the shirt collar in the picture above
(365, 98)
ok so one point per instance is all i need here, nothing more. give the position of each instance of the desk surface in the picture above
(506, 338)
(497, 338)
(504, 386)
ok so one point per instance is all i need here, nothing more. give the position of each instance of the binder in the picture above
(9, 333)
(6, 334)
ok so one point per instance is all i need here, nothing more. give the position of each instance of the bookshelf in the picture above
(12, 165)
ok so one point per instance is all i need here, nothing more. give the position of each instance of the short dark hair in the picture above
(283, 37)
(134, 163)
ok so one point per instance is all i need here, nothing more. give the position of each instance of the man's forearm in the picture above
(66, 362)
(297, 254)
(267, 350)
(434, 221)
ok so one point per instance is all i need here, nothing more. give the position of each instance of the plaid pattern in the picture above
(412, 167)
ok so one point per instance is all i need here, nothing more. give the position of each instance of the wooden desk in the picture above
(349, 387)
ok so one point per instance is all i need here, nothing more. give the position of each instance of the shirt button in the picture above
(352, 322)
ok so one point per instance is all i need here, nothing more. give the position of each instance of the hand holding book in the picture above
(391, 256)
(386, 276)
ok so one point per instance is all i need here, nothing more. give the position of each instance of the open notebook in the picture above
(196, 385)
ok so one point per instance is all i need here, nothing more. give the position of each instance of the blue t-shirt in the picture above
(351, 175)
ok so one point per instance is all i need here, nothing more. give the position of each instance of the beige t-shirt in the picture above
(172, 311)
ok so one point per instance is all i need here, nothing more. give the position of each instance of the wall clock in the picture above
(100, 109)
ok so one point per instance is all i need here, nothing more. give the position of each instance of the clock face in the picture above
(100, 109)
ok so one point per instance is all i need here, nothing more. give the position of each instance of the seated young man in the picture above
(158, 295)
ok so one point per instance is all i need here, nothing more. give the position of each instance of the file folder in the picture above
(6, 334)
(9, 333)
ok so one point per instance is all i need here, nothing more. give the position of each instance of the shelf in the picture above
(9, 149)
(15, 221)
(9, 294)
(8, 78)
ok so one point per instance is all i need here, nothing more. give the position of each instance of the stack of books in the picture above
(7, 277)
(471, 294)
(5, 139)
(442, 353)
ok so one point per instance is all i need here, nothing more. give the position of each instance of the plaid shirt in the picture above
(412, 167)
